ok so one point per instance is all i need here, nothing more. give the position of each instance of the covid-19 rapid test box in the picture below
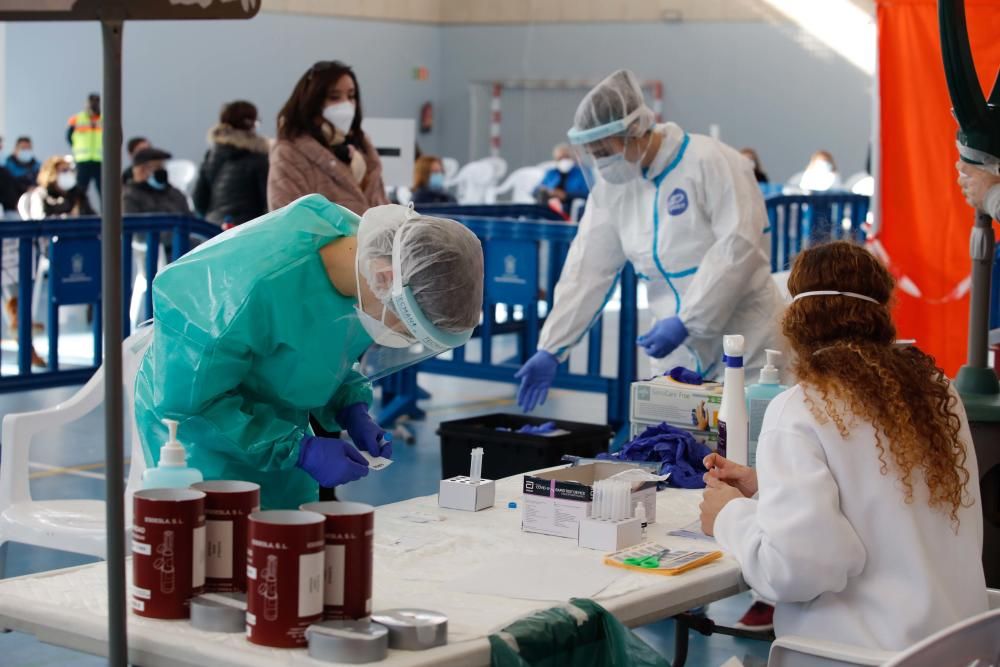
(555, 501)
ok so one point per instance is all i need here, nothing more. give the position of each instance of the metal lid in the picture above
(352, 642)
(414, 629)
(219, 612)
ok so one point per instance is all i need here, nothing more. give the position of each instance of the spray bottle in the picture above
(759, 396)
(733, 423)
(172, 471)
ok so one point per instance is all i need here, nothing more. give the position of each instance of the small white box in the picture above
(461, 493)
(609, 536)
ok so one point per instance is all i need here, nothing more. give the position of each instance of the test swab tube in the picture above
(476, 469)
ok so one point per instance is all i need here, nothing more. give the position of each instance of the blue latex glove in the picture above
(540, 429)
(536, 377)
(331, 462)
(364, 431)
(663, 338)
(685, 375)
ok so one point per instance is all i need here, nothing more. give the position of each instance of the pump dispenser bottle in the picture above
(172, 471)
(760, 395)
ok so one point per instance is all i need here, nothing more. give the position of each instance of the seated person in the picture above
(868, 526)
(57, 194)
(134, 145)
(150, 191)
(428, 182)
(22, 165)
(564, 183)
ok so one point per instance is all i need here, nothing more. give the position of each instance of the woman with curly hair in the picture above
(863, 518)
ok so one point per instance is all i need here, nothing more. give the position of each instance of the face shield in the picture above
(426, 252)
(610, 129)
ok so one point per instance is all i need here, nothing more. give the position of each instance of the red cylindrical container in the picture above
(168, 551)
(350, 528)
(284, 576)
(228, 506)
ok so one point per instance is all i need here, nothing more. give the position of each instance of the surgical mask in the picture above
(158, 180)
(437, 181)
(565, 165)
(378, 330)
(25, 155)
(340, 115)
(615, 169)
(66, 180)
(852, 295)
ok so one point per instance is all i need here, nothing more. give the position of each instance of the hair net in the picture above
(610, 102)
(441, 261)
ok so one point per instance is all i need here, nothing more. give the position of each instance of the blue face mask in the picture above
(158, 179)
(437, 181)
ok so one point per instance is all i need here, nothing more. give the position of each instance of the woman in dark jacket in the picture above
(232, 182)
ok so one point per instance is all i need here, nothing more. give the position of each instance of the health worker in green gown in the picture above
(294, 315)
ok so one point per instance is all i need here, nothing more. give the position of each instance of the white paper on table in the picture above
(692, 531)
(536, 577)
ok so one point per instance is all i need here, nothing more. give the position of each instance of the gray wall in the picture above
(766, 85)
(178, 74)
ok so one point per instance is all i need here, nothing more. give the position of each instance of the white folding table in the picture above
(420, 551)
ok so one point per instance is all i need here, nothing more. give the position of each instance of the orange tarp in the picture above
(925, 220)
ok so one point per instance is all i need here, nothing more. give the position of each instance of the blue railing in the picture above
(72, 249)
(798, 221)
(507, 211)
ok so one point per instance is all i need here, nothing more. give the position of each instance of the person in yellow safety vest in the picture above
(86, 135)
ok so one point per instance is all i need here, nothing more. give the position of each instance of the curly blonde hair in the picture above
(846, 358)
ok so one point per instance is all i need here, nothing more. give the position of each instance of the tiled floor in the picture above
(68, 465)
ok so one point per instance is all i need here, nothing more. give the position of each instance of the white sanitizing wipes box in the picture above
(694, 408)
(555, 502)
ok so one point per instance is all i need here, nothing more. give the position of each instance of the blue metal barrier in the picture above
(75, 279)
(798, 221)
(506, 211)
(513, 251)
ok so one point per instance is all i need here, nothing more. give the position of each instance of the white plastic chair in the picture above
(794, 651)
(141, 281)
(975, 641)
(521, 184)
(450, 165)
(475, 179)
(182, 174)
(76, 525)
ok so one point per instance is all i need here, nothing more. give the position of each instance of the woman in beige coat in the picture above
(321, 147)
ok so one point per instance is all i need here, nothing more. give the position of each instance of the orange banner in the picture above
(925, 220)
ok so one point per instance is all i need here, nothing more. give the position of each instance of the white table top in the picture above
(418, 558)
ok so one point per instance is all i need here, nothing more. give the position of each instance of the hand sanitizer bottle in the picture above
(759, 396)
(172, 471)
(733, 422)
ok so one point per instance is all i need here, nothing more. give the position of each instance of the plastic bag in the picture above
(578, 634)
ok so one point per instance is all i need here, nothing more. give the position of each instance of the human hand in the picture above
(364, 431)
(717, 495)
(663, 338)
(559, 194)
(721, 469)
(331, 462)
(975, 182)
(536, 378)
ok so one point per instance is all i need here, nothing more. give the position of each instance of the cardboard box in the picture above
(663, 399)
(708, 438)
(554, 502)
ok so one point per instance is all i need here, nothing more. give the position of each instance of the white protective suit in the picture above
(831, 540)
(694, 229)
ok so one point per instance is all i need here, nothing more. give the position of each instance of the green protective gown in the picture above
(250, 338)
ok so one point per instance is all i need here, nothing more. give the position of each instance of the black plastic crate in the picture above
(508, 453)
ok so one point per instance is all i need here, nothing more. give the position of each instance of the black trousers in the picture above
(325, 492)
(87, 172)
